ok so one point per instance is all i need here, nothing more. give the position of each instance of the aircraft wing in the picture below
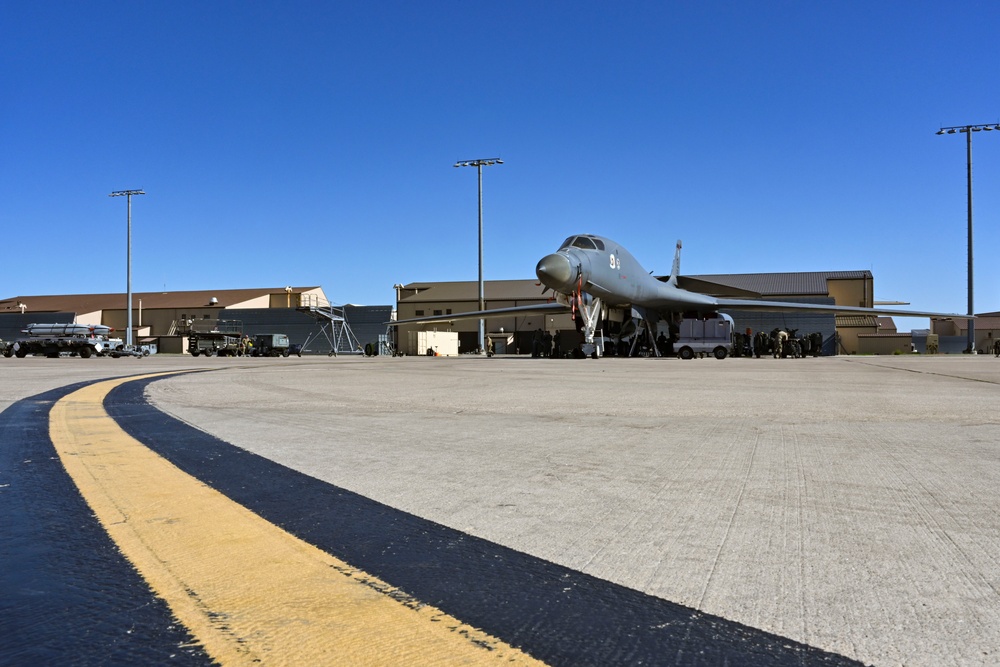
(713, 289)
(787, 307)
(486, 314)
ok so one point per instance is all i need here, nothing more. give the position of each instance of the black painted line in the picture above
(67, 595)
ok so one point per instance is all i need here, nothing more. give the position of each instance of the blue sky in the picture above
(312, 143)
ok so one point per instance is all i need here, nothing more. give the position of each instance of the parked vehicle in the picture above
(270, 345)
(223, 339)
(53, 340)
(699, 337)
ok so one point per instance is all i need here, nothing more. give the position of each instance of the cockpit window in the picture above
(584, 242)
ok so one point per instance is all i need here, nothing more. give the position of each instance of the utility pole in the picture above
(968, 130)
(128, 261)
(479, 164)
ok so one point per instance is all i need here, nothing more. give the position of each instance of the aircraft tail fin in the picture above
(676, 269)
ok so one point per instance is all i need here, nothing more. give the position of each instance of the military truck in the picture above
(221, 338)
(270, 345)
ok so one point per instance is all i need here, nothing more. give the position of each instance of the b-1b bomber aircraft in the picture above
(597, 279)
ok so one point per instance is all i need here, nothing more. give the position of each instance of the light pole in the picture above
(479, 164)
(128, 287)
(968, 130)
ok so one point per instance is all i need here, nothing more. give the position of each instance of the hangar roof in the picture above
(88, 303)
(785, 284)
(850, 321)
(886, 324)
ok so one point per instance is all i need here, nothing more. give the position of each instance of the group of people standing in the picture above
(545, 344)
(245, 347)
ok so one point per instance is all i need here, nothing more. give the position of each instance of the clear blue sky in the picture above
(312, 143)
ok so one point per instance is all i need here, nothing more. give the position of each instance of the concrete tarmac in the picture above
(845, 503)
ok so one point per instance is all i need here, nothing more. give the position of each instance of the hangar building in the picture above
(166, 318)
(841, 334)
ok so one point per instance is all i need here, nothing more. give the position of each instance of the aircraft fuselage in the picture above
(603, 268)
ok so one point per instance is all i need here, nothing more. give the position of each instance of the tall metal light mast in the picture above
(128, 286)
(479, 164)
(968, 130)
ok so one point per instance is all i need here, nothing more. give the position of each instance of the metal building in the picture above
(841, 335)
(166, 317)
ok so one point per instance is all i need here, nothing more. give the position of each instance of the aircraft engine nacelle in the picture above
(615, 315)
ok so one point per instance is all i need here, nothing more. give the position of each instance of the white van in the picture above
(702, 337)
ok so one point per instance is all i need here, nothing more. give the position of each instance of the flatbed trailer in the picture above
(53, 340)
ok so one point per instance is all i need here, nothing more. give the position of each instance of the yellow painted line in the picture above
(247, 590)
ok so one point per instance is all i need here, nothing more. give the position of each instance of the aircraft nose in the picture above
(555, 271)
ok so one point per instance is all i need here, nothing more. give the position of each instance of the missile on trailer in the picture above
(67, 330)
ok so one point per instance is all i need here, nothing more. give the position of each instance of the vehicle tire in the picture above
(208, 353)
(85, 352)
(720, 353)
(195, 353)
(21, 353)
(686, 353)
(8, 353)
(285, 354)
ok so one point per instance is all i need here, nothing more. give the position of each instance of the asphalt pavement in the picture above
(844, 504)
